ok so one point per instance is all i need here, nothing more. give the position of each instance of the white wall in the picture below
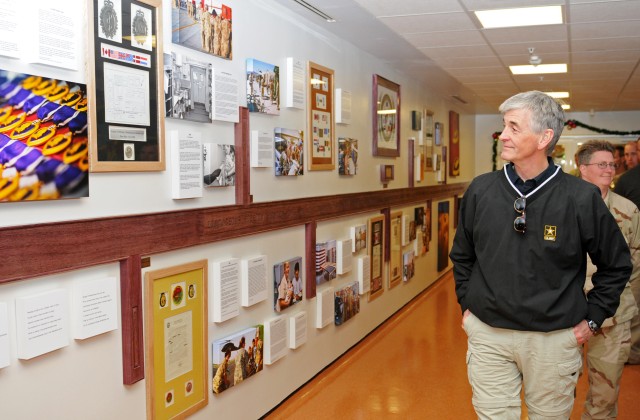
(85, 378)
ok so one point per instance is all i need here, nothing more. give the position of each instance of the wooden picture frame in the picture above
(176, 337)
(395, 245)
(375, 247)
(321, 118)
(386, 173)
(125, 87)
(386, 117)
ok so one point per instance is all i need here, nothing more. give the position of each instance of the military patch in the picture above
(549, 233)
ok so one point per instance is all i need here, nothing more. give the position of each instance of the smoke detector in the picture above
(534, 59)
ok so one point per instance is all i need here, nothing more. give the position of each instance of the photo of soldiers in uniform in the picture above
(347, 156)
(187, 88)
(263, 87)
(347, 303)
(202, 25)
(288, 148)
(237, 357)
(408, 265)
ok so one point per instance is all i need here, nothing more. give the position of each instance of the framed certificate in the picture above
(386, 117)
(124, 86)
(376, 255)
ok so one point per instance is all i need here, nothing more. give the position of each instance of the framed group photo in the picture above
(322, 147)
(126, 111)
(386, 117)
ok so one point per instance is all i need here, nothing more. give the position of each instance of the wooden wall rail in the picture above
(36, 250)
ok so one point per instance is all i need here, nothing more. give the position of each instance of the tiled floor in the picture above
(412, 367)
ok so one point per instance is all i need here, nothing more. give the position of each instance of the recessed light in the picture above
(558, 95)
(525, 16)
(565, 106)
(541, 69)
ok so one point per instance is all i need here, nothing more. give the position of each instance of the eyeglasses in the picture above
(603, 165)
(520, 222)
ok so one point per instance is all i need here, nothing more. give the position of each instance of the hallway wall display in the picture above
(43, 138)
(289, 151)
(395, 242)
(187, 88)
(219, 165)
(237, 357)
(376, 255)
(443, 235)
(204, 26)
(125, 83)
(176, 315)
(386, 117)
(454, 143)
(288, 283)
(263, 87)
(321, 118)
(326, 261)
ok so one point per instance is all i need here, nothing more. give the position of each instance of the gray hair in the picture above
(546, 113)
(586, 150)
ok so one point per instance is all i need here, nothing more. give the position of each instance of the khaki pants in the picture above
(634, 355)
(607, 352)
(500, 362)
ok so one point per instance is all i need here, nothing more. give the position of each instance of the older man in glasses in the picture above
(608, 349)
(520, 256)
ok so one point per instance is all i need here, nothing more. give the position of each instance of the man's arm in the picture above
(463, 253)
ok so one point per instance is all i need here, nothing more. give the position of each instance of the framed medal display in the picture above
(125, 84)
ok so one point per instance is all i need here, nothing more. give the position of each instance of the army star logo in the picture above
(549, 233)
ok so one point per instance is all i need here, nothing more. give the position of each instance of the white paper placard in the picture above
(254, 280)
(294, 96)
(418, 167)
(95, 307)
(364, 274)
(324, 307)
(4, 336)
(343, 106)
(344, 256)
(225, 97)
(297, 330)
(225, 293)
(186, 164)
(261, 149)
(275, 339)
(42, 323)
(405, 230)
(55, 31)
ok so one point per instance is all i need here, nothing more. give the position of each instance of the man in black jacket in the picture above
(519, 258)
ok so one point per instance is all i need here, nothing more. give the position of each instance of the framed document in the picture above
(395, 242)
(386, 117)
(176, 340)
(321, 126)
(376, 255)
(125, 83)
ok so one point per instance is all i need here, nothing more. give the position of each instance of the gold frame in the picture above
(320, 104)
(160, 284)
(395, 249)
(98, 138)
(375, 248)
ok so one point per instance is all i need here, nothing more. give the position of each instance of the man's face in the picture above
(518, 141)
(618, 157)
(631, 154)
(286, 270)
(599, 177)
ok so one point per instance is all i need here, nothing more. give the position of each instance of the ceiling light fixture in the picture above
(315, 10)
(525, 16)
(565, 106)
(558, 95)
(534, 59)
(540, 69)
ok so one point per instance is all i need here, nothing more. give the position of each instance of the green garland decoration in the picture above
(570, 124)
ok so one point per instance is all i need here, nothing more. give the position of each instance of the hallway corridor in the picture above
(413, 367)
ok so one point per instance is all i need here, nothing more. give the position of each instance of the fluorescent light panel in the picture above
(565, 106)
(525, 16)
(558, 95)
(539, 69)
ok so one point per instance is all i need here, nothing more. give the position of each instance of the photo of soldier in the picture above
(204, 25)
(347, 303)
(236, 358)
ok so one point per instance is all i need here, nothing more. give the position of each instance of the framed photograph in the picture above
(176, 325)
(428, 125)
(376, 255)
(125, 85)
(386, 117)
(263, 87)
(454, 143)
(203, 26)
(438, 134)
(321, 118)
(386, 173)
(347, 156)
(287, 284)
(395, 242)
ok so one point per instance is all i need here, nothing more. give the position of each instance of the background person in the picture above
(608, 349)
(520, 284)
(631, 155)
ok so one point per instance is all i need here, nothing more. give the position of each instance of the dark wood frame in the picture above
(395, 88)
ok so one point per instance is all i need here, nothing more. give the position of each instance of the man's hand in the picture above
(582, 332)
(465, 315)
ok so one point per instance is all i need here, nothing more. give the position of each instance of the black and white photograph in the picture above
(219, 165)
(187, 89)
